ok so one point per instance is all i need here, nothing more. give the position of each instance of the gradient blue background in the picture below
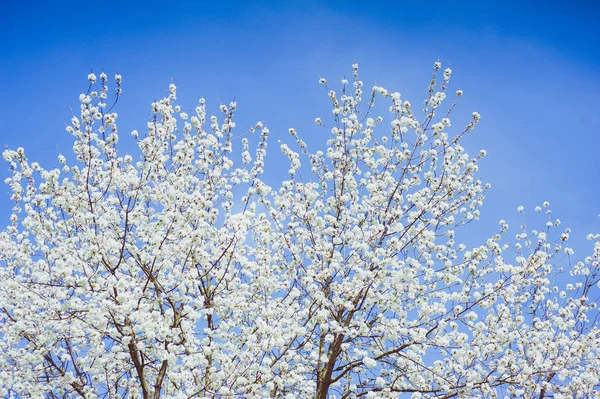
(530, 68)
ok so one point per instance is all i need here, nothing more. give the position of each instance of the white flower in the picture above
(370, 363)
(447, 73)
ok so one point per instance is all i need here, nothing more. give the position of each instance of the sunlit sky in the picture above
(529, 68)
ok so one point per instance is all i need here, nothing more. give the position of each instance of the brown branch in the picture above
(139, 368)
(160, 378)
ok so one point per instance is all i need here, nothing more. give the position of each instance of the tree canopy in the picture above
(181, 272)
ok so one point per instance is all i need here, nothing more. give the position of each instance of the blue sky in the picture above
(529, 68)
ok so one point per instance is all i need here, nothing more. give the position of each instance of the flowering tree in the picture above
(176, 274)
